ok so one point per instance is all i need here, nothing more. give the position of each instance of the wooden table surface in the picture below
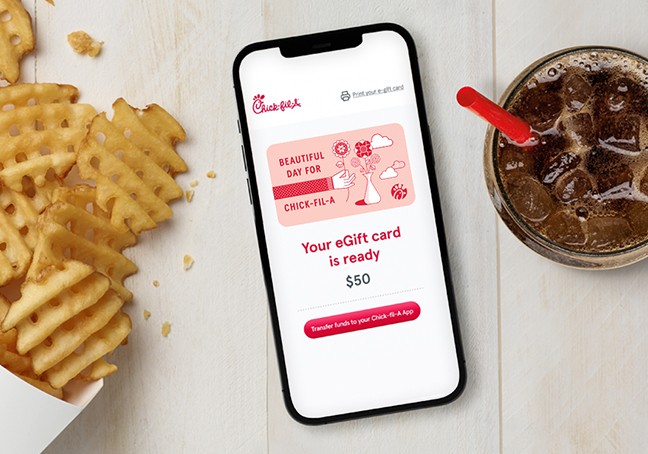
(556, 357)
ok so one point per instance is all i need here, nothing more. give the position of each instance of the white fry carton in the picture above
(32, 419)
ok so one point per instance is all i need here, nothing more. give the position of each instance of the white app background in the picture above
(378, 367)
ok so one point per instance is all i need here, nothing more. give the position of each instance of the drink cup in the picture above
(580, 195)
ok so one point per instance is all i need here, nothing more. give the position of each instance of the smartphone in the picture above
(341, 177)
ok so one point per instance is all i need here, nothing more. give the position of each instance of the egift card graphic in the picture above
(341, 174)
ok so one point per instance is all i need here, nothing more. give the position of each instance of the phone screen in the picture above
(338, 169)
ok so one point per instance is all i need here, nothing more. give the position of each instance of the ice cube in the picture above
(573, 185)
(579, 128)
(565, 229)
(515, 160)
(576, 92)
(637, 216)
(620, 93)
(600, 160)
(549, 146)
(530, 198)
(616, 182)
(559, 165)
(607, 233)
(540, 108)
(620, 133)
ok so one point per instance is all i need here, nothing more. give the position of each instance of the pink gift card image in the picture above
(341, 174)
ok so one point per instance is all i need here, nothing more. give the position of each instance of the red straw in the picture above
(511, 126)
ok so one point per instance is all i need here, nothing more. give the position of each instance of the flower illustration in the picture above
(363, 148)
(365, 153)
(341, 148)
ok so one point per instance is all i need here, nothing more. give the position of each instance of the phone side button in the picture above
(249, 190)
(244, 160)
(238, 123)
(429, 138)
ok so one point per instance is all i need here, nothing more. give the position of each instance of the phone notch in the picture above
(320, 42)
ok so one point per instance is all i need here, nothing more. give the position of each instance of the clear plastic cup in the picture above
(523, 205)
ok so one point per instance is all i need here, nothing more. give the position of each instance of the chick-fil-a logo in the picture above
(259, 106)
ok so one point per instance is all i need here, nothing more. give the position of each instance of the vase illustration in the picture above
(371, 194)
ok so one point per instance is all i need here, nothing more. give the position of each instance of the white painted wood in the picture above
(454, 48)
(202, 389)
(573, 342)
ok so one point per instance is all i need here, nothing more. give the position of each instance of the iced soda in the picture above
(580, 195)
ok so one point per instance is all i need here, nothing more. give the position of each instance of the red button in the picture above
(365, 319)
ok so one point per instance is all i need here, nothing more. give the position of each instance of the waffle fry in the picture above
(34, 329)
(13, 361)
(69, 230)
(153, 130)
(9, 357)
(97, 345)
(41, 137)
(15, 255)
(66, 320)
(23, 95)
(18, 38)
(4, 306)
(65, 244)
(40, 197)
(68, 242)
(133, 162)
(43, 128)
(18, 364)
(71, 334)
(22, 213)
(97, 370)
(46, 286)
(18, 232)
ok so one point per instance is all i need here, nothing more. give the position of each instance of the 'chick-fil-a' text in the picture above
(259, 105)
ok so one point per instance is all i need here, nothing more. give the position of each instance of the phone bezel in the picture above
(338, 39)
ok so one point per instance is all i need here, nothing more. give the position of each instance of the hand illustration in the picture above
(343, 179)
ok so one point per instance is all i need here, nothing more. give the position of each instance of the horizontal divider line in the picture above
(360, 299)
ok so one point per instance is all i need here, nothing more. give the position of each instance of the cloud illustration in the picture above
(398, 164)
(378, 141)
(388, 173)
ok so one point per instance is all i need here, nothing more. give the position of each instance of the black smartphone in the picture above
(341, 176)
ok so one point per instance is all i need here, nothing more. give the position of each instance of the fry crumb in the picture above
(147, 314)
(51, 2)
(189, 193)
(194, 183)
(211, 174)
(166, 328)
(156, 283)
(82, 43)
(188, 262)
